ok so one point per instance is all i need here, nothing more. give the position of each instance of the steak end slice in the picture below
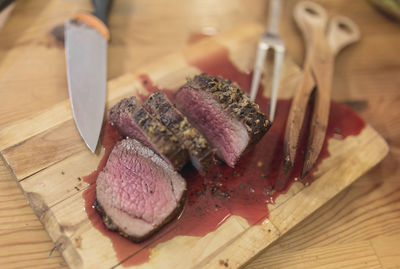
(135, 122)
(200, 151)
(224, 114)
(138, 192)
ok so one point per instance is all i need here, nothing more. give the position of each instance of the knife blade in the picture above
(86, 37)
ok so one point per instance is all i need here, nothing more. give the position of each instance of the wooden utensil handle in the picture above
(342, 32)
(309, 15)
(311, 19)
(320, 115)
(296, 118)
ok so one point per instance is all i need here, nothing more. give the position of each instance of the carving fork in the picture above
(270, 40)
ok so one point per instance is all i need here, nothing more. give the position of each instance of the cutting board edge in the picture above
(62, 242)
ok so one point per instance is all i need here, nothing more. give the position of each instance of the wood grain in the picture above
(24, 243)
(368, 211)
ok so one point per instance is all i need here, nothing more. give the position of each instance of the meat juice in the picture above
(257, 180)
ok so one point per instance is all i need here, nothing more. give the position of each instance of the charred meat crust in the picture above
(236, 102)
(160, 107)
(108, 222)
(127, 105)
(167, 144)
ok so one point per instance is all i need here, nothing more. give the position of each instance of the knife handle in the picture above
(102, 9)
(97, 19)
(5, 3)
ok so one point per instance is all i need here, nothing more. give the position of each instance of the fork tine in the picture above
(258, 67)
(278, 61)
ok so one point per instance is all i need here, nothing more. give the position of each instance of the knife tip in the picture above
(92, 147)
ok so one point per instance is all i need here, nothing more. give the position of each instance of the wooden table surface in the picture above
(360, 228)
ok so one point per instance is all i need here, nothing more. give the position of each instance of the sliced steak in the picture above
(224, 114)
(137, 192)
(134, 121)
(201, 153)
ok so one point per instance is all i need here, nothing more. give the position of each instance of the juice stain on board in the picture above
(244, 191)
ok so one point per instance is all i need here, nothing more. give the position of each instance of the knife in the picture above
(6, 6)
(86, 37)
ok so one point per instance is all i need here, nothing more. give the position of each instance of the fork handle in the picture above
(274, 14)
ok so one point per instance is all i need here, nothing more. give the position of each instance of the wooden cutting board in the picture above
(48, 158)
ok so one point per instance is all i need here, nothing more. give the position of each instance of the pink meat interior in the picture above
(225, 133)
(129, 128)
(137, 189)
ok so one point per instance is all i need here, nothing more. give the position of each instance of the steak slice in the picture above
(138, 192)
(134, 121)
(200, 152)
(224, 114)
